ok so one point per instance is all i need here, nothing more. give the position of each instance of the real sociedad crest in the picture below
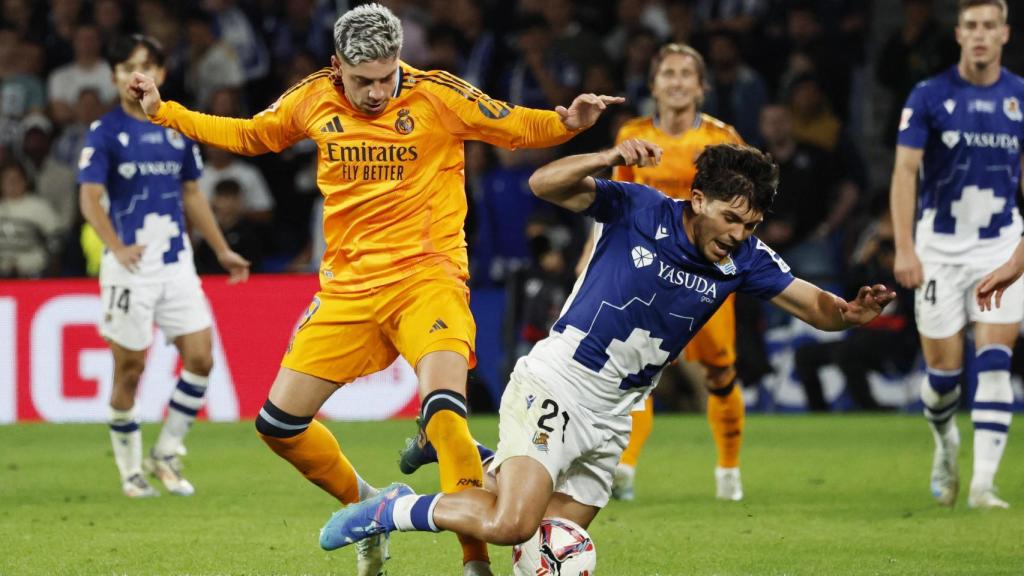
(1011, 107)
(726, 266)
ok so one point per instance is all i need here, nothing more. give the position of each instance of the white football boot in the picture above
(622, 483)
(727, 484)
(984, 498)
(135, 486)
(945, 479)
(371, 554)
(168, 470)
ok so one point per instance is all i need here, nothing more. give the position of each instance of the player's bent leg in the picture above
(442, 374)
(940, 394)
(991, 412)
(286, 425)
(726, 417)
(125, 434)
(507, 517)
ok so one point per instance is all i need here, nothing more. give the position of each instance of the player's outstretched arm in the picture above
(567, 181)
(903, 205)
(268, 131)
(198, 211)
(826, 311)
(91, 205)
(997, 281)
(585, 110)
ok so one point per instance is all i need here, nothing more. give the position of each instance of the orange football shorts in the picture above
(346, 335)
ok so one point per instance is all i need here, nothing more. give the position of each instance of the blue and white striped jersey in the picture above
(142, 166)
(645, 294)
(970, 175)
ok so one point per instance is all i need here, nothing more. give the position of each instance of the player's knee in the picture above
(129, 372)
(509, 531)
(272, 422)
(200, 364)
(721, 380)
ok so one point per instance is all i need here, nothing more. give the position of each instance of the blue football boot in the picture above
(361, 520)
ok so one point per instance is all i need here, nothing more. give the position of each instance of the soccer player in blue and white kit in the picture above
(959, 157)
(660, 268)
(138, 183)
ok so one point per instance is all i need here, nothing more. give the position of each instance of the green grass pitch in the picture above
(824, 495)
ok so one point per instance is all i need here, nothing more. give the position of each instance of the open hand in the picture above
(144, 89)
(907, 269)
(237, 266)
(585, 110)
(995, 283)
(866, 306)
(129, 256)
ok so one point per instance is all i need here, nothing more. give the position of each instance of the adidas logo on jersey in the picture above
(333, 126)
(438, 325)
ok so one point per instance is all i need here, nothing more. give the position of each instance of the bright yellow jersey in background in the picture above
(393, 184)
(674, 175)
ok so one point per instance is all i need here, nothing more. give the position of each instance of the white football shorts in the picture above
(944, 303)
(177, 305)
(578, 447)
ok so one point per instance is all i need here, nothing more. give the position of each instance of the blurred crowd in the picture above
(799, 78)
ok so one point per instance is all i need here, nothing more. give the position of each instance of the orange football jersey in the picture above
(674, 175)
(393, 184)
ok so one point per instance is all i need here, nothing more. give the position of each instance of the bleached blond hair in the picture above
(367, 33)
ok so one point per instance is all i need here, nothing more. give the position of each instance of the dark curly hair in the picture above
(728, 171)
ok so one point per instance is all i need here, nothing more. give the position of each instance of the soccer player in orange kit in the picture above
(678, 74)
(393, 277)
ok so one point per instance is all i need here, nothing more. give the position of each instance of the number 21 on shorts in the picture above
(550, 418)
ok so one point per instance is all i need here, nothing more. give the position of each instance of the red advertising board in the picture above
(54, 366)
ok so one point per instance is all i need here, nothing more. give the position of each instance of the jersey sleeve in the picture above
(272, 130)
(192, 166)
(472, 115)
(914, 122)
(767, 273)
(94, 159)
(616, 200)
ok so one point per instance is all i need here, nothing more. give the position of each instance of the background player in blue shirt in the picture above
(955, 216)
(660, 269)
(138, 183)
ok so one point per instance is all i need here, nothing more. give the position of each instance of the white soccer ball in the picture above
(560, 547)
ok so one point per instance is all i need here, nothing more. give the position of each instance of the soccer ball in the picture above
(560, 547)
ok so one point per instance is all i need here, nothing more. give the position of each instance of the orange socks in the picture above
(444, 414)
(726, 415)
(643, 423)
(316, 454)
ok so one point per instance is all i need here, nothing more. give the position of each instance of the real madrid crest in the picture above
(1011, 107)
(404, 124)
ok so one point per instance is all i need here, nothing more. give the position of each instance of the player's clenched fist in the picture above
(144, 89)
(636, 152)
